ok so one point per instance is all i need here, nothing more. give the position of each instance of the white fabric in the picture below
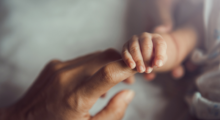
(211, 54)
(207, 104)
(204, 108)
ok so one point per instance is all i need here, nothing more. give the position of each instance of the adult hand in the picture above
(68, 90)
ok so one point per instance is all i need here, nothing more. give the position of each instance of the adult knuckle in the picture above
(61, 75)
(106, 73)
(76, 102)
(54, 64)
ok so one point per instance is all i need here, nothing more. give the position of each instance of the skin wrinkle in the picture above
(147, 47)
(59, 91)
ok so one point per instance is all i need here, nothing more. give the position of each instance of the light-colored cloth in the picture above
(211, 53)
(205, 103)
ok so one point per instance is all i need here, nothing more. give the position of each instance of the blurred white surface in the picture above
(36, 31)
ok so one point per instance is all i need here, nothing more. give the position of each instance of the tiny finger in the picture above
(146, 45)
(126, 56)
(135, 51)
(160, 48)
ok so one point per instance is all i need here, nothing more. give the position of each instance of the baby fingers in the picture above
(146, 45)
(132, 56)
(160, 48)
(135, 51)
(145, 52)
(126, 56)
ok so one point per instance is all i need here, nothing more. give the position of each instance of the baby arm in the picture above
(159, 52)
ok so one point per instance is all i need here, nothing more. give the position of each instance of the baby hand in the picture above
(145, 52)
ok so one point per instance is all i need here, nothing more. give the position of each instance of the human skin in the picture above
(163, 23)
(185, 38)
(151, 51)
(143, 52)
(68, 90)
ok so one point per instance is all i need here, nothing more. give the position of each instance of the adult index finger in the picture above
(103, 80)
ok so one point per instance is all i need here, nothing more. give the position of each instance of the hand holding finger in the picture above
(146, 45)
(67, 90)
(135, 51)
(103, 80)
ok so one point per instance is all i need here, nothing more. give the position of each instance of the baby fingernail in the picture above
(129, 96)
(159, 63)
(149, 70)
(141, 69)
(132, 65)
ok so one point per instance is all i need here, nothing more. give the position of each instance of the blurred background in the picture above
(32, 32)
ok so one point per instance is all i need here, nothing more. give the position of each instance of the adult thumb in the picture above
(116, 107)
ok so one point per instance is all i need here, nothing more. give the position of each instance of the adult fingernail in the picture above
(129, 96)
(159, 63)
(141, 69)
(149, 69)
